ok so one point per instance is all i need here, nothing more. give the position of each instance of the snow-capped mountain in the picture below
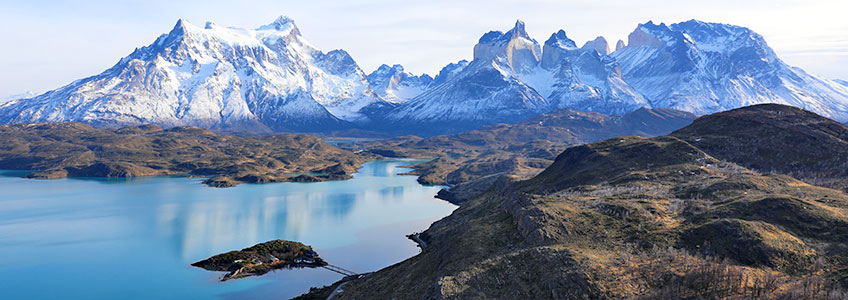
(269, 78)
(484, 91)
(272, 79)
(513, 78)
(396, 86)
(583, 79)
(708, 67)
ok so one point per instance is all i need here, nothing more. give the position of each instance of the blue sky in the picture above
(47, 44)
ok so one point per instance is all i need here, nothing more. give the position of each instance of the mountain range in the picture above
(271, 79)
(267, 79)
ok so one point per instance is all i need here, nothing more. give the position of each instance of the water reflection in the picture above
(85, 239)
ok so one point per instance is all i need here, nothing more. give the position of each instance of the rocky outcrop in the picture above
(599, 44)
(619, 45)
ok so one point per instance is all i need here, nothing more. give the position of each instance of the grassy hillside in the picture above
(471, 161)
(636, 218)
(776, 138)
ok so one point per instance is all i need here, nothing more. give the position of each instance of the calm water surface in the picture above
(135, 239)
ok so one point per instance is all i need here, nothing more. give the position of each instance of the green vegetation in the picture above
(76, 149)
(472, 161)
(261, 259)
(776, 138)
(643, 218)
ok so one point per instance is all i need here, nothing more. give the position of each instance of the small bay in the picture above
(84, 238)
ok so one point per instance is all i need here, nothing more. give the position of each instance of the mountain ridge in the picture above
(267, 79)
(270, 79)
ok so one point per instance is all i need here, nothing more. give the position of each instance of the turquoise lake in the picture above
(84, 238)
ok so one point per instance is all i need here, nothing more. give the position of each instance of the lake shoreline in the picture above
(113, 233)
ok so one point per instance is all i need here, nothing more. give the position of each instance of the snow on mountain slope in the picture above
(708, 67)
(215, 77)
(396, 86)
(449, 72)
(512, 78)
(583, 79)
(485, 91)
(272, 79)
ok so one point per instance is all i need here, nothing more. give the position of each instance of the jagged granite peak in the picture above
(485, 91)
(651, 35)
(582, 78)
(514, 49)
(511, 79)
(598, 44)
(516, 32)
(555, 47)
(706, 67)
(619, 45)
(395, 85)
(266, 79)
(560, 40)
(282, 23)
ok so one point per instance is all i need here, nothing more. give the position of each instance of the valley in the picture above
(687, 162)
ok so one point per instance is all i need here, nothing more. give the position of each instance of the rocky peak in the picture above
(517, 31)
(282, 24)
(556, 47)
(560, 40)
(179, 29)
(514, 49)
(389, 70)
(619, 45)
(449, 72)
(598, 44)
(648, 35)
(395, 85)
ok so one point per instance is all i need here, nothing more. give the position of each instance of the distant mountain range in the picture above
(270, 79)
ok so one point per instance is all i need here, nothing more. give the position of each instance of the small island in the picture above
(262, 258)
